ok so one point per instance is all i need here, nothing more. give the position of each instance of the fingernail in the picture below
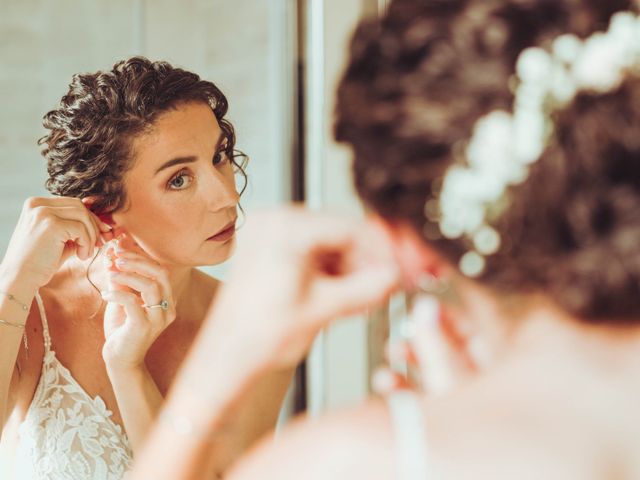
(382, 381)
(479, 352)
(121, 261)
(408, 329)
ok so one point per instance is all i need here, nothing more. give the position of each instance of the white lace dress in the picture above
(66, 433)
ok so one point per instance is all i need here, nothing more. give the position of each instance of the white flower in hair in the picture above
(503, 145)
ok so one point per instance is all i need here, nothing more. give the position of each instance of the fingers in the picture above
(135, 263)
(76, 232)
(130, 302)
(442, 362)
(151, 293)
(68, 203)
(81, 214)
(354, 291)
(385, 381)
(59, 214)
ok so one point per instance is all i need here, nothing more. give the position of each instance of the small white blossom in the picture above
(503, 145)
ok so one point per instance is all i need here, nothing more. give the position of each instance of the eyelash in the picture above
(181, 173)
(222, 154)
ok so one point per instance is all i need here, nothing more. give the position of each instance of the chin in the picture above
(219, 254)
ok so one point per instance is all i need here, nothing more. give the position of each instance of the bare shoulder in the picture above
(355, 443)
(489, 429)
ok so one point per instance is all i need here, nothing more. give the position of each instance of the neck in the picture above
(549, 331)
(73, 276)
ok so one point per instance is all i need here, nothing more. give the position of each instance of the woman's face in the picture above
(181, 193)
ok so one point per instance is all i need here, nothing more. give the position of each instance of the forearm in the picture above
(212, 387)
(14, 316)
(139, 401)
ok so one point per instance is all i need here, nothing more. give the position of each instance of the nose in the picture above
(220, 190)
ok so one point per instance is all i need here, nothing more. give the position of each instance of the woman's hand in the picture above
(436, 355)
(50, 230)
(294, 272)
(133, 318)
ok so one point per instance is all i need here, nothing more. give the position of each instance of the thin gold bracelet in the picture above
(24, 333)
(16, 325)
(11, 297)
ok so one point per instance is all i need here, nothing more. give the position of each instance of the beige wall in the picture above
(238, 44)
(235, 43)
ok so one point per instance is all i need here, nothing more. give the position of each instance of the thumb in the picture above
(441, 363)
(355, 291)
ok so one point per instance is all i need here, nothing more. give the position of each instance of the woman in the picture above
(496, 143)
(141, 162)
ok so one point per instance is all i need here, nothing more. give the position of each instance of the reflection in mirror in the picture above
(105, 283)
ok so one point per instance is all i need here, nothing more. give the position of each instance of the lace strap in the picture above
(45, 325)
(410, 439)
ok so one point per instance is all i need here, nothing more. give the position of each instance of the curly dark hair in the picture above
(88, 146)
(418, 80)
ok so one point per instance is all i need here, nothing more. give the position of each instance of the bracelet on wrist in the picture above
(12, 298)
(24, 333)
(12, 324)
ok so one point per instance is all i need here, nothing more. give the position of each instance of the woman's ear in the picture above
(413, 255)
(89, 202)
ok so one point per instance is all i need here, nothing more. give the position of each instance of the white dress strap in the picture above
(407, 422)
(45, 324)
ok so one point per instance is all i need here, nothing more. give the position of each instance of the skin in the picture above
(553, 398)
(163, 230)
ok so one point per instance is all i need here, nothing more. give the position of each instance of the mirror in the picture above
(277, 62)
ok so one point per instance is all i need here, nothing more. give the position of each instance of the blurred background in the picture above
(276, 60)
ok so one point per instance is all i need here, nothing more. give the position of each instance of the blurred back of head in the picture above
(418, 81)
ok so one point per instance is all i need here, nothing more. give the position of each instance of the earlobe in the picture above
(104, 217)
(107, 218)
(412, 253)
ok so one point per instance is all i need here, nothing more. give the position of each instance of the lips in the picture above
(225, 234)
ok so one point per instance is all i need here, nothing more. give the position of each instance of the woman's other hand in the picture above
(135, 315)
(48, 232)
(294, 272)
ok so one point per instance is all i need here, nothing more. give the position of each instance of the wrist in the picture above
(18, 281)
(117, 370)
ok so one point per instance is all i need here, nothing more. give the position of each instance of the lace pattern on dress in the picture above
(66, 433)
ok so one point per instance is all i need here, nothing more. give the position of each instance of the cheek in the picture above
(162, 225)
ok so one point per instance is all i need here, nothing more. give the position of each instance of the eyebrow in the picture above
(175, 161)
(187, 159)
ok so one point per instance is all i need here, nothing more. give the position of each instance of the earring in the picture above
(443, 290)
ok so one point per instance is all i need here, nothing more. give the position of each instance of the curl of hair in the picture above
(417, 82)
(88, 146)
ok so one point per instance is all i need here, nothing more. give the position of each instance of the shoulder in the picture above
(480, 431)
(352, 444)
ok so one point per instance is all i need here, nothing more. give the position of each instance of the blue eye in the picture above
(219, 157)
(180, 181)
